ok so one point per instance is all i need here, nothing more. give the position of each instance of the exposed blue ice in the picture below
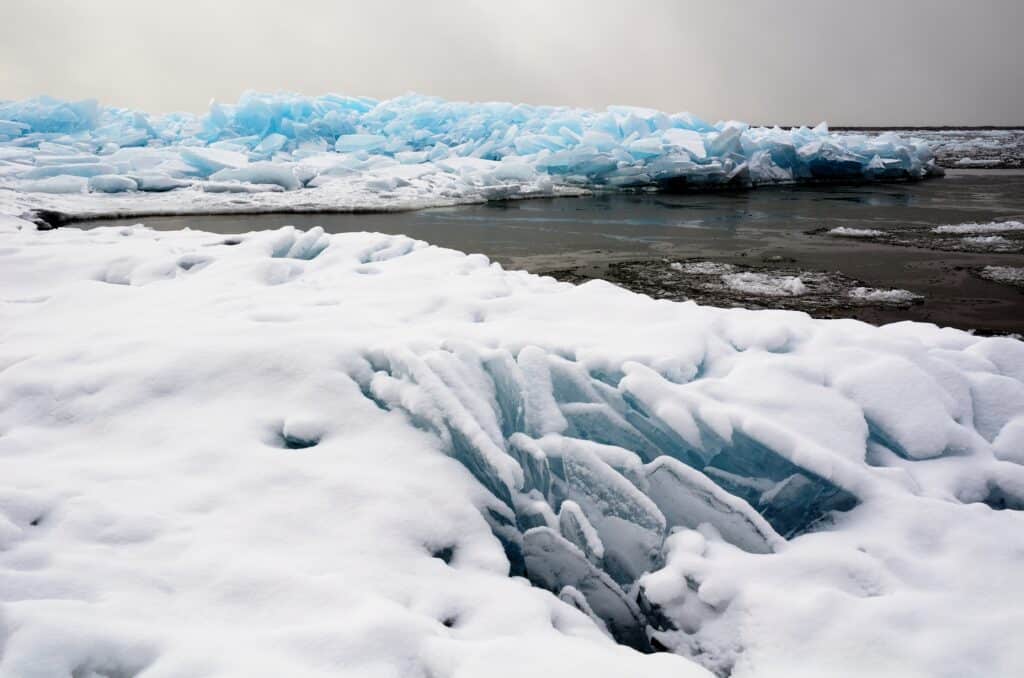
(317, 138)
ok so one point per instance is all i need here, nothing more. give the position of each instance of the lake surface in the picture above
(632, 240)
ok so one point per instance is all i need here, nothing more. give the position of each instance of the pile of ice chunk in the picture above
(342, 446)
(284, 142)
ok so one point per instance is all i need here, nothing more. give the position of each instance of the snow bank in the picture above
(289, 453)
(439, 151)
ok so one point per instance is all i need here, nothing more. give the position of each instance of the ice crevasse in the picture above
(410, 151)
(354, 454)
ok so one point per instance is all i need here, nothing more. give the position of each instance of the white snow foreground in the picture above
(291, 453)
(288, 152)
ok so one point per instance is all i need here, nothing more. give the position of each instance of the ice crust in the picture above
(411, 151)
(289, 453)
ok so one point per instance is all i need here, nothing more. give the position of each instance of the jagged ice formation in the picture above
(289, 152)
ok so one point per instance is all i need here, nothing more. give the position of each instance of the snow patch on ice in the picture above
(1013, 275)
(972, 228)
(765, 284)
(885, 296)
(848, 232)
(987, 242)
(702, 267)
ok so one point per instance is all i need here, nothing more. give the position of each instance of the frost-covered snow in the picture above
(359, 153)
(288, 453)
(976, 229)
(765, 284)
(848, 232)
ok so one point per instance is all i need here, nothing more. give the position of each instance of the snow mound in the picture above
(847, 232)
(447, 150)
(973, 229)
(288, 453)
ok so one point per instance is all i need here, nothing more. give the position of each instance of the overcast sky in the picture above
(785, 61)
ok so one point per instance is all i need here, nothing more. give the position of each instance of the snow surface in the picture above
(349, 153)
(288, 453)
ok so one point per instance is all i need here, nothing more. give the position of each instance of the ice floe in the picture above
(293, 453)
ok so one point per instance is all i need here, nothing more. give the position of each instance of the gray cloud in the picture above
(865, 62)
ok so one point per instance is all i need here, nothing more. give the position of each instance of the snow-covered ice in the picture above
(848, 232)
(987, 242)
(349, 153)
(1013, 275)
(885, 296)
(979, 229)
(765, 284)
(293, 453)
(702, 267)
